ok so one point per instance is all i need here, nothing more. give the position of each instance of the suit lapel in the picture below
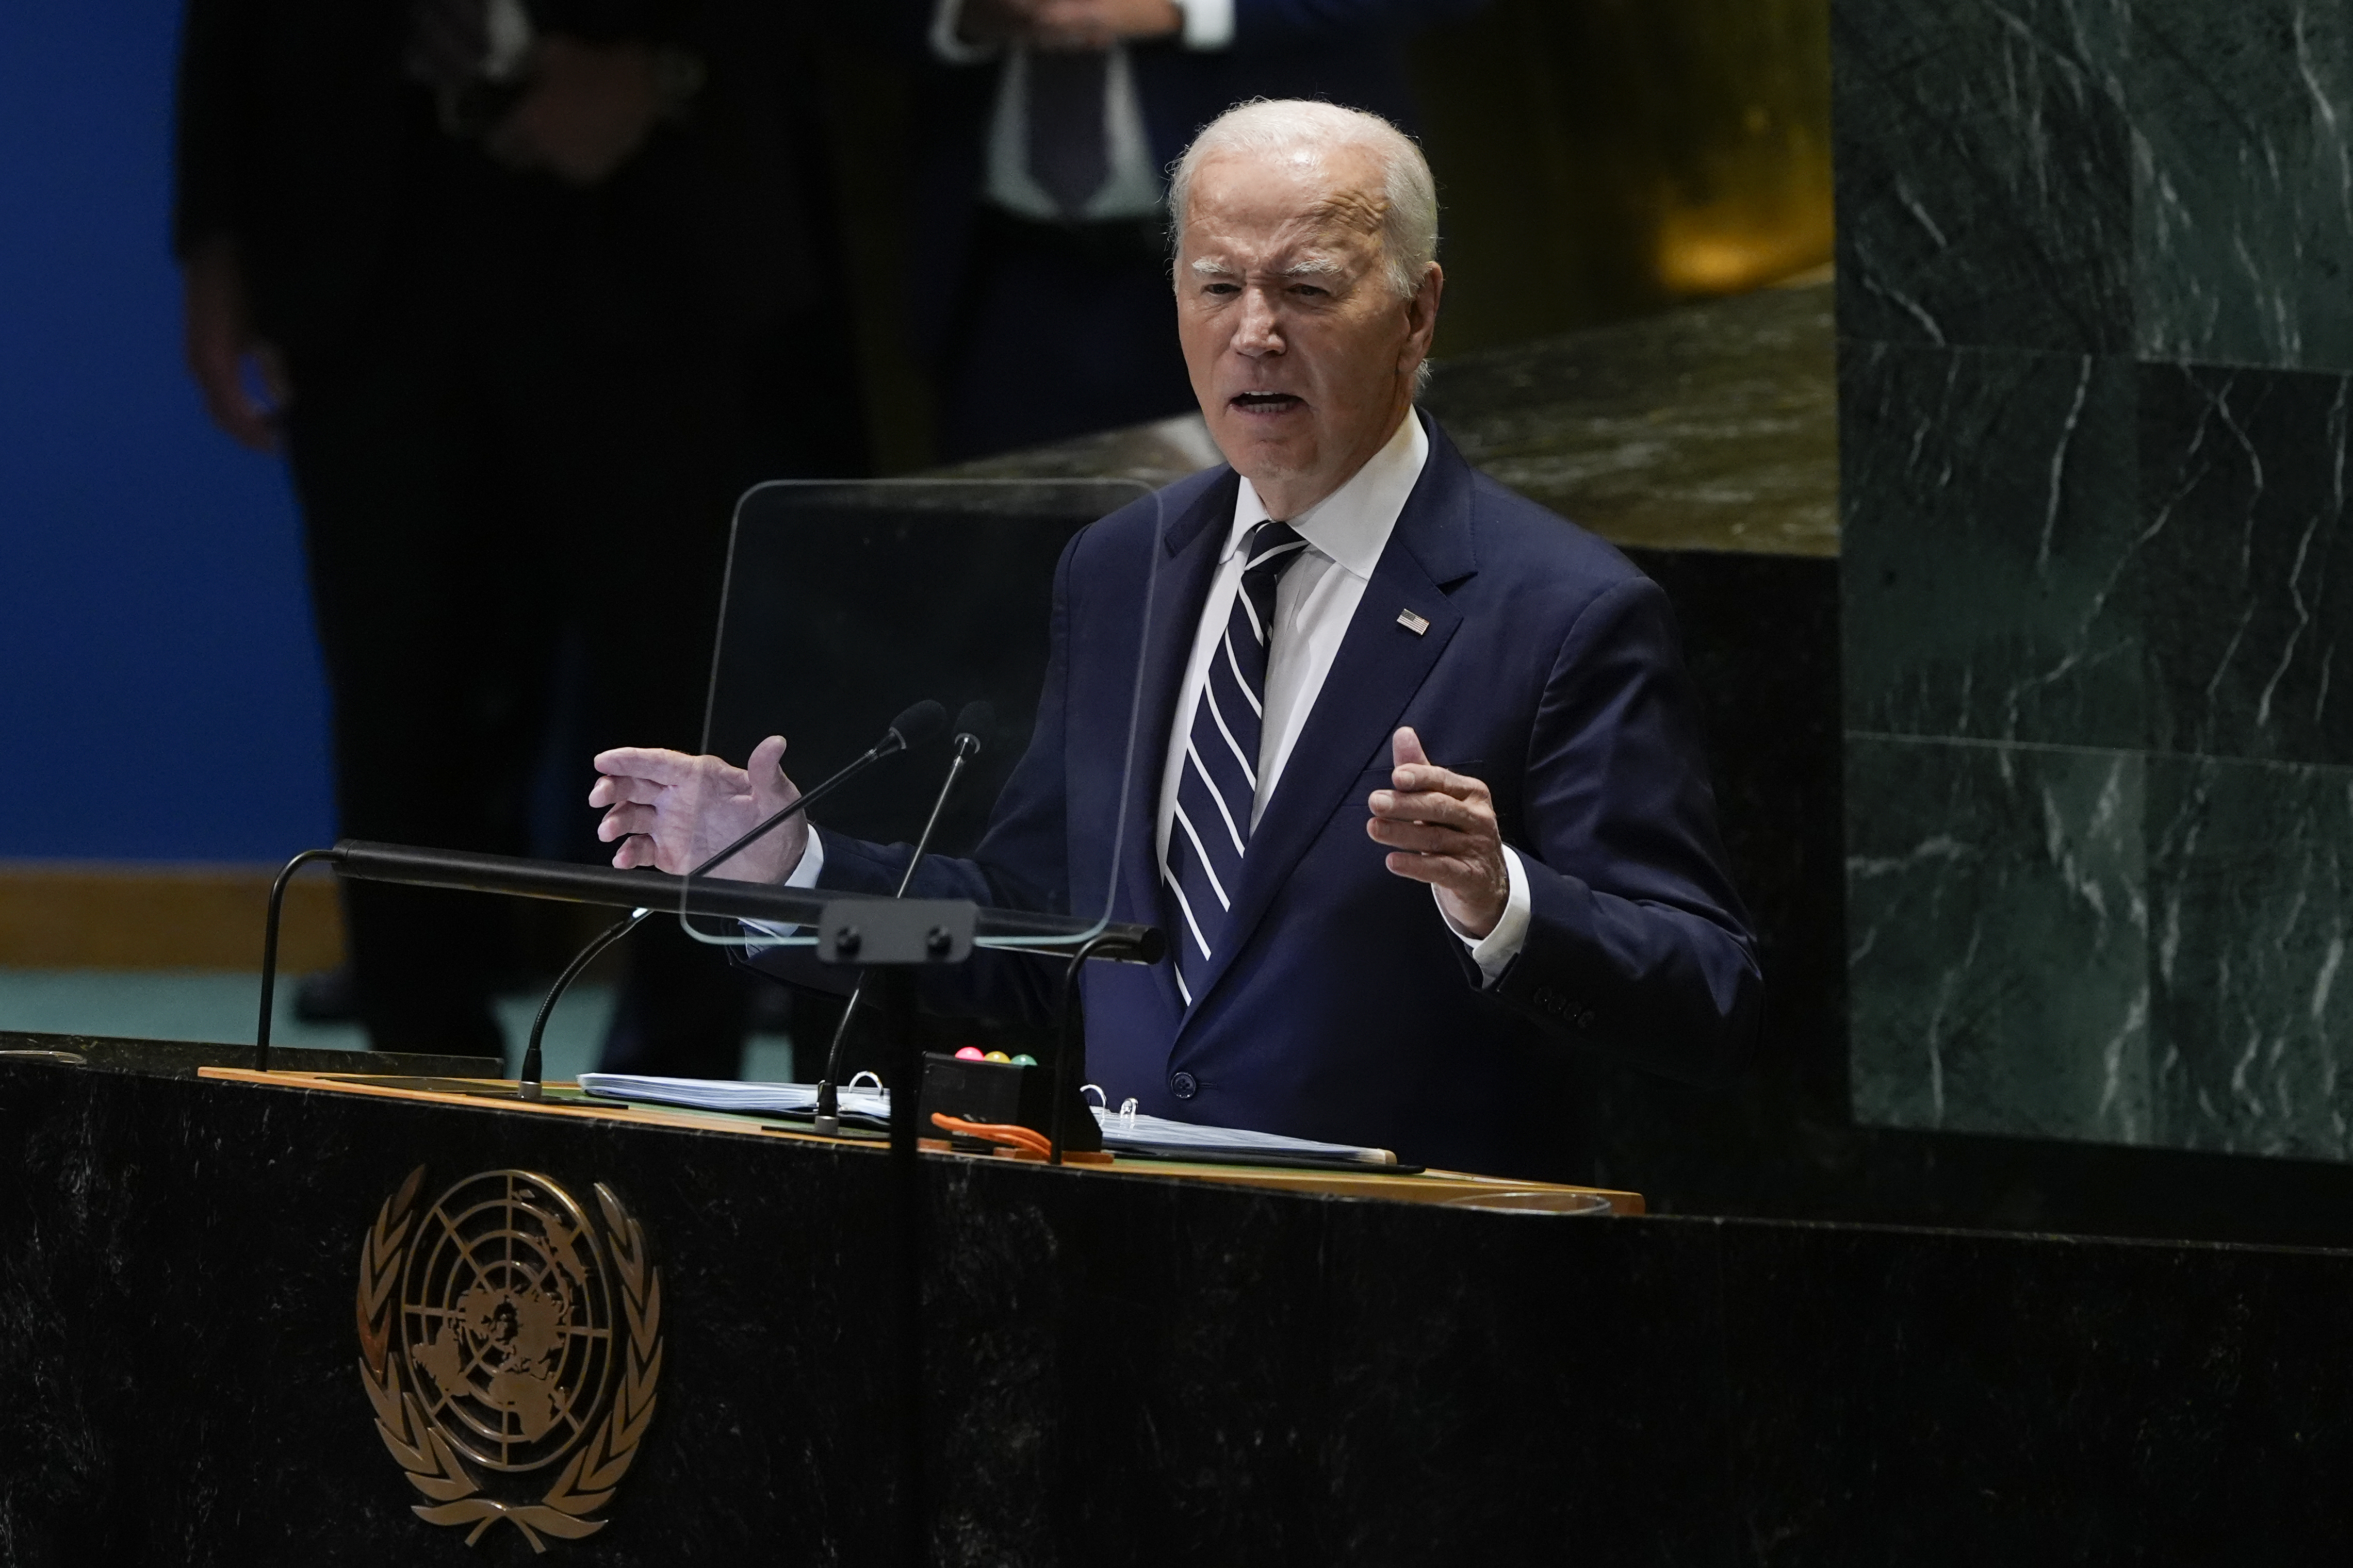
(1191, 543)
(1381, 665)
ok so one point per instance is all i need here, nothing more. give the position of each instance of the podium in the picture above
(1121, 1365)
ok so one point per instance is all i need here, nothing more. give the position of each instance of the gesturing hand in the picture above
(1440, 829)
(673, 812)
(1068, 23)
(1098, 23)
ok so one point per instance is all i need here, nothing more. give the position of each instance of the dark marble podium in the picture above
(1124, 1369)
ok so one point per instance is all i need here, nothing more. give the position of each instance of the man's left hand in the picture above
(1440, 828)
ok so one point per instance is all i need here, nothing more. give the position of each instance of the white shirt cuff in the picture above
(1209, 23)
(812, 865)
(1494, 951)
(946, 17)
(805, 875)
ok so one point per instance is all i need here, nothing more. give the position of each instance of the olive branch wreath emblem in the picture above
(587, 1482)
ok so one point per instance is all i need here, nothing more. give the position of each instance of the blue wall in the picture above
(160, 695)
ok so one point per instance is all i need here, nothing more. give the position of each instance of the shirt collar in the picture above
(1353, 524)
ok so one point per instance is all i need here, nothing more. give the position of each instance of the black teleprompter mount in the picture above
(1046, 935)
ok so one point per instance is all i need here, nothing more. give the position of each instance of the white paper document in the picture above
(1121, 1132)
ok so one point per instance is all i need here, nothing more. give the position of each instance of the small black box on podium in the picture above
(1019, 1094)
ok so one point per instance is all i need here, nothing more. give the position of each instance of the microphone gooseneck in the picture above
(973, 720)
(527, 1086)
(910, 729)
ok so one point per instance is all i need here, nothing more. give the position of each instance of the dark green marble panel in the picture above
(2250, 905)
(1998, 939)
(2096, 393)
(1988, 545)
(2248, 563)
(2243, 200)
(1984, 173)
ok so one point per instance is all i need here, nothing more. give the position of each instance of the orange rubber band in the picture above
(1002, 1132)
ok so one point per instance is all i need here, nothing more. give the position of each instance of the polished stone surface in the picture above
(2250, 909)
(2242, 182)
(1997, 938)
(2248, 561)
(185, 1058)
(2116, 945)
(1989, 583)
(1120, 1370)
(1710, 427)
(1985, 171)
(2097, 573)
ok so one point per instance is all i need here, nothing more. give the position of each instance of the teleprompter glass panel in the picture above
(848, 602)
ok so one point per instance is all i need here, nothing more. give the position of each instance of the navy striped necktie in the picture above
(1201, 868)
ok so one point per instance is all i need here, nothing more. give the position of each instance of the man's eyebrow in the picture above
(1310, 267)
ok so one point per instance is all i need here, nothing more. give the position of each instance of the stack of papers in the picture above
(1122, 1132)
(1128, 1133)
(728, 1094)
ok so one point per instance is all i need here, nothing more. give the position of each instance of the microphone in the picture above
(974, 719)
(910, 729)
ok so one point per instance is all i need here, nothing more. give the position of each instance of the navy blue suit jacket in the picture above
(1340, 1005)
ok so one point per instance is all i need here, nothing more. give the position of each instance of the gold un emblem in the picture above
(504, 1335)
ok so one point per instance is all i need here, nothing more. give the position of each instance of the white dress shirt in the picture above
(1132, 187)
(1314, 600)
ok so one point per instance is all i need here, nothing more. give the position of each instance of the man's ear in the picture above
(1421, 313)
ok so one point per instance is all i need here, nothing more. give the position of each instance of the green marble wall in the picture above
(2095, 315)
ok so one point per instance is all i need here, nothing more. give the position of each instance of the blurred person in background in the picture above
(512, 283)
(1048, 140)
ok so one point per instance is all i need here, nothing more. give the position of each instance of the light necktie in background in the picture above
(1069, 156)
(1202, 867)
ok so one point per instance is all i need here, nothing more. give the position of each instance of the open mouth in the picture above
(1265, 402)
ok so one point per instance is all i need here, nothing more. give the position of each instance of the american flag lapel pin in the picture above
(1412, 623)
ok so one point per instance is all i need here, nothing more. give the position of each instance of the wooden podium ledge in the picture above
(1452, 1189)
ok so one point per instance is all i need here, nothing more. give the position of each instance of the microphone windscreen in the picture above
(976, 719)
(919, 723)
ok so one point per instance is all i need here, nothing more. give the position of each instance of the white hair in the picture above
(1409, 220)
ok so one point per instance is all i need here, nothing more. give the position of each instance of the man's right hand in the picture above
(589, 107)
(221, 338)
(673, 812)
(1067, 23)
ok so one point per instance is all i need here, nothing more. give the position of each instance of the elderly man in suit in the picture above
(1367, 945)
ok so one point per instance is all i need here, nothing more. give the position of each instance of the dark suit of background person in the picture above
(500, 379)
(988, 276)
(1339, 1004)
